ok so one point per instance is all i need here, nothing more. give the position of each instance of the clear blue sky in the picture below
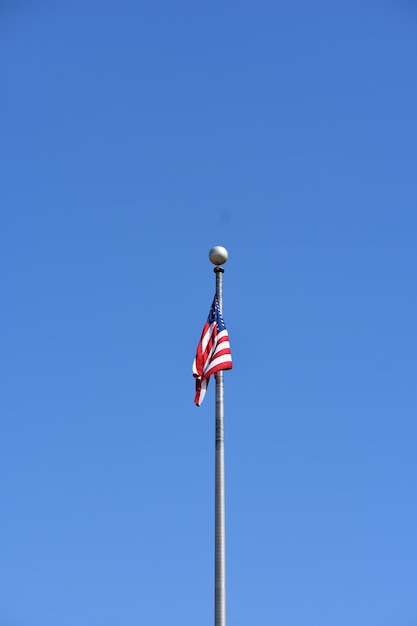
(135, 136)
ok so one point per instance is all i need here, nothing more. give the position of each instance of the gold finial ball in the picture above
(218, 255)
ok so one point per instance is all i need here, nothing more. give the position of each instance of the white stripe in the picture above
(207, 336)
(224, 358)
(211, 353)
(202, 391)
(224, 345)
(222, 334)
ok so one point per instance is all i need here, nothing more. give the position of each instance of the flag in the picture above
(213, 351)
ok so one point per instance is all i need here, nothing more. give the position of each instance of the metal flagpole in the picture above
(218, 256)
(220, 546)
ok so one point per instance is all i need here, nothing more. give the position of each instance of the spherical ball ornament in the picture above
(218, 255)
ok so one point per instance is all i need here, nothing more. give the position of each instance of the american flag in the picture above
(213, 352)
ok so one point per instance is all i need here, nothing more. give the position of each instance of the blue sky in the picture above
(134, 137)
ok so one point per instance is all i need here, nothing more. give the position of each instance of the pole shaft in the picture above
(220, 535)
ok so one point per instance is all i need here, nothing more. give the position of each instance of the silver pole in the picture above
(220, 544)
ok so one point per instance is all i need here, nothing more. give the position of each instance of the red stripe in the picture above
(220, 353)
(200, 359)
(223, 365)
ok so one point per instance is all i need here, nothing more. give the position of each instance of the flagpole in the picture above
(218, 255)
